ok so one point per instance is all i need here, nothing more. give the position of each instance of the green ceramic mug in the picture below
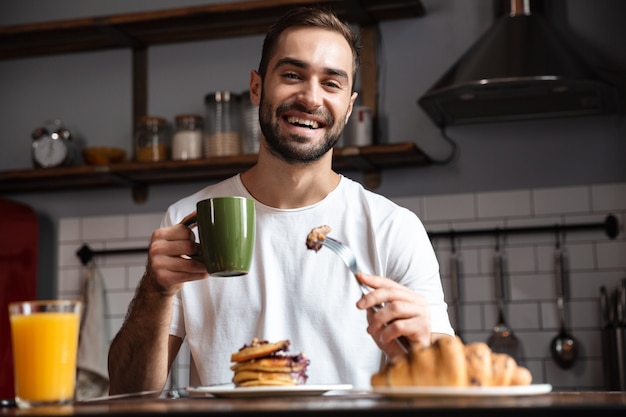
(226, 227)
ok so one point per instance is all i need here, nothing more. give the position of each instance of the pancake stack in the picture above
(262, 363)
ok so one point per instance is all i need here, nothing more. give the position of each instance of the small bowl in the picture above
(103, 155)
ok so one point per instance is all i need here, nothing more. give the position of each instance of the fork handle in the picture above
(402, 340)
(404, 343)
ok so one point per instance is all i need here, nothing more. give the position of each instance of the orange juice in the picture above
(44, 354)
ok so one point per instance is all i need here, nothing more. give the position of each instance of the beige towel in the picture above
(92, 377)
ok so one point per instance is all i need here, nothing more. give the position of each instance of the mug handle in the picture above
(190, 222)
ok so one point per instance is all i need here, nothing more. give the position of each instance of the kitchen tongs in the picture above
(346, 254)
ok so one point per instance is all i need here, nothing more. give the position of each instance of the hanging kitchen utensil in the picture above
(455, 285)
(620, 335)
(563, 347)
(502, 339)
(609, 341)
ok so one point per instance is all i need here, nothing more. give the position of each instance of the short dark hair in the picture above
(310, 17)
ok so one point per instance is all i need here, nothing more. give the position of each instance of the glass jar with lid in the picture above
(222, 124)
(152, 139)
(187, 140)
(250, 126)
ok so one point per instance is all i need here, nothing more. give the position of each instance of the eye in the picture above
(291, 76)
(333, 84)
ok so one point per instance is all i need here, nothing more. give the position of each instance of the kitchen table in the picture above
(347, 403)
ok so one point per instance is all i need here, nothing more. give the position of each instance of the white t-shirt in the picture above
(308, 297)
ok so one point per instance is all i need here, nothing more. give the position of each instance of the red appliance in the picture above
(19, 238)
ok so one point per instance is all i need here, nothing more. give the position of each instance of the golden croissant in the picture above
(449, 362)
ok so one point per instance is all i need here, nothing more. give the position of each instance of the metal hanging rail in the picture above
(610, 227)
(86, 254)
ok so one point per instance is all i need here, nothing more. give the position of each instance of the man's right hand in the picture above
(168, 266)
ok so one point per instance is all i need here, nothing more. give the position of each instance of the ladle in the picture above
(564, 347)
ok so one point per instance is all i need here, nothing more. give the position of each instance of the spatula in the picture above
(502, 339)
(455, 285)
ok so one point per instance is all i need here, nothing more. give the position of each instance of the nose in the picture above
(310, 95)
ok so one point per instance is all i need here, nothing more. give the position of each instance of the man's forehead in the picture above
(311, 33)
(304, 36)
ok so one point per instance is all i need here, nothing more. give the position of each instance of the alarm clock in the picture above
(52, 145)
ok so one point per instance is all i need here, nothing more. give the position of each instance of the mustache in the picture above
(321, 113)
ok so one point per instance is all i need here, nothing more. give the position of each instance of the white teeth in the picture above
(312, 124)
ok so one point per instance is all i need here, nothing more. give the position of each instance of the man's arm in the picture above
(142, 352)
(139, 355)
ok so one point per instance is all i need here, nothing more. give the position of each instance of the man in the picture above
(304, 87)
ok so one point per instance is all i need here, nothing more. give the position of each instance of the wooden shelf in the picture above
(138, 31)
(143, 29)
(369, 159)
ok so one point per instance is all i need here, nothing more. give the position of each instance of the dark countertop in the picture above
(363, 404)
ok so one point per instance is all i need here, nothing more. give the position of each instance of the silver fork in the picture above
(346, 254)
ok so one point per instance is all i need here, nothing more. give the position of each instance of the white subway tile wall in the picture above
(593, 260)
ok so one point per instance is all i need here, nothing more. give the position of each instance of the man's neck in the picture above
(279, 184)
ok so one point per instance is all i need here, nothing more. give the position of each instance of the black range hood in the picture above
(519, 69)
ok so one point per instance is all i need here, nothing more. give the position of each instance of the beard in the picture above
(296, 149)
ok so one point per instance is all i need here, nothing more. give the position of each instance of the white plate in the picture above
(411, 392)
(294, 390)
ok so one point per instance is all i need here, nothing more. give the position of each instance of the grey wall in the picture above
(91, 93)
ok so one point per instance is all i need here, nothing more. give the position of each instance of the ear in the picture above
(351, 106)
(255, 87)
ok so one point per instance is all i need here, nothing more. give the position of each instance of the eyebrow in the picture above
(304, 65)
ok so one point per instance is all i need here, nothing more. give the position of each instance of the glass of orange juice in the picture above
(45, 343)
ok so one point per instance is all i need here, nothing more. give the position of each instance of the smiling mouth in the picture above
(296, 121)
